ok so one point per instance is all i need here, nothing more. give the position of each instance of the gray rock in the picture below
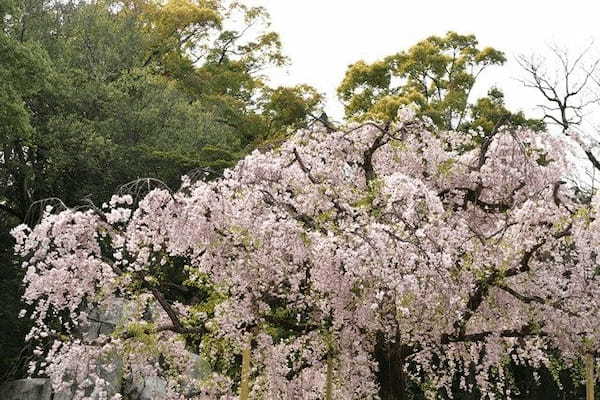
(155, 388)
(26, 389)
(111, 371)
(152, 388)
(199, 368)
(103, 321)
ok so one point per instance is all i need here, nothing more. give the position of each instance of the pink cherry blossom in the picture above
(384, 247)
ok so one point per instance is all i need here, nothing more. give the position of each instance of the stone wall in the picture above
(102, 322)
(27, 389)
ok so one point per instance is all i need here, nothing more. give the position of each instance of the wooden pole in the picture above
(589, 377)
(245, 384)
(329, 378)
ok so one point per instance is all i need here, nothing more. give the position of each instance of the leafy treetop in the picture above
(437, 75)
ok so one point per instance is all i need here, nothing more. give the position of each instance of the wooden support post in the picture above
(329, 378)
(589, 377)
(245, 383)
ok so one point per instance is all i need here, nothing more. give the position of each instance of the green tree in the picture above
(437, 75)
(488, 111)
(96, 94)
(23, 68)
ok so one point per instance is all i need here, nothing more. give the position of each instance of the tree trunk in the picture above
(390, 376)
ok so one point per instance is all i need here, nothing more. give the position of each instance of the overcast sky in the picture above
(323, 37)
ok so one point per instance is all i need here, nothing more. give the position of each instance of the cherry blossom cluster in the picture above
(363, 256)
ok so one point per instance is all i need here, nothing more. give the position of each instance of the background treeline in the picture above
(95, 94)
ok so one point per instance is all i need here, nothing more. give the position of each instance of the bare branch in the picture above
(568, 89)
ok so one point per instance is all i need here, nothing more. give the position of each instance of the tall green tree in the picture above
(23, 71)
(141, 88)
(96, 94)
(437, 75)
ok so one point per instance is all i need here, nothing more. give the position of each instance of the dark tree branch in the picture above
(178, 327)
(325, 121)
(590, 156)
(480, 293)
(367, 164)
(303, 167)
(523, 332)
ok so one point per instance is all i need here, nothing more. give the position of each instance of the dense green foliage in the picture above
(437, 75)
(96, 94)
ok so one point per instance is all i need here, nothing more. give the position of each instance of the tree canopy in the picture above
(177, 85)
(96, 94)
(340, 261)
(427, 248)
(437, 75)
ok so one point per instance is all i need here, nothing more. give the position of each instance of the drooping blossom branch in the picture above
(393, 245)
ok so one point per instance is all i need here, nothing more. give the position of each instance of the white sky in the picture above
(323, 37)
